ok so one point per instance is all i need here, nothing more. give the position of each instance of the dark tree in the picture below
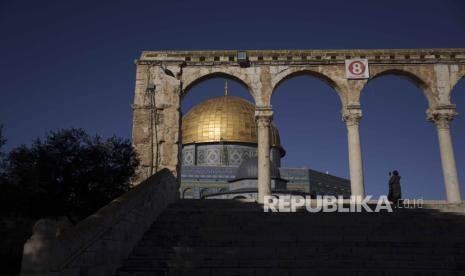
(7, 191)
(70, 173)
(2, 154)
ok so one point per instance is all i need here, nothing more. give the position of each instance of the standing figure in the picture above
(395, 192)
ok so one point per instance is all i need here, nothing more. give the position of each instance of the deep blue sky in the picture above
(70, 64)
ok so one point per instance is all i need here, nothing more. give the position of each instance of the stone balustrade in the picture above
(98, 244)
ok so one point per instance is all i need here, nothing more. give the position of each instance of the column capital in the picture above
(352, 115)
(263, 115)
(263, 111)
(441, 117)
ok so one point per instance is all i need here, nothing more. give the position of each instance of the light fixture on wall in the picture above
(242, 56)
(243, 59)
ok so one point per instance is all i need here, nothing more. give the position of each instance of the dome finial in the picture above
(226, 88)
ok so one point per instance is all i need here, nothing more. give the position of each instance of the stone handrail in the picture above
(98, 244)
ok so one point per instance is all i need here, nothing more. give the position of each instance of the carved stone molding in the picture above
(263, 121)
(138, 106)
(441, 117)
(379, 56)
(352, 116)
(264, 116)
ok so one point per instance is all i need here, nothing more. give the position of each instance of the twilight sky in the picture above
(70, 64)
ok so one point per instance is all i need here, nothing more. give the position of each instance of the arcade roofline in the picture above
(428, 55)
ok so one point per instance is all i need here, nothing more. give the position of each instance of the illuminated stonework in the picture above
(163, 78)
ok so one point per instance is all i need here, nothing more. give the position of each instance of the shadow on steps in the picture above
(226, 237)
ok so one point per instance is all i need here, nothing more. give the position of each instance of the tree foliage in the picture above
(69, 173)
(2, 154)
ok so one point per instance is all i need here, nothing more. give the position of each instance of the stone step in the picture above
(309, 225)
(305, 232)
(291, 272)
(330, 265)
(179, 223)
(195, 237)
(292, 252)
(255, 213)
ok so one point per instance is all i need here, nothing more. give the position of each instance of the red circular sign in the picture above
(357, 68)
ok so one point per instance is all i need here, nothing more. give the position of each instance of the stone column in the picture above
(352, 116)
(442, 119)
(263, 115)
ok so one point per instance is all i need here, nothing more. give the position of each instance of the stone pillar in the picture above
(157, 119)
(442, 119)
(352, 116)
(263, 115)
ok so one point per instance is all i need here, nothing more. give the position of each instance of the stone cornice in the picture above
(303, 57)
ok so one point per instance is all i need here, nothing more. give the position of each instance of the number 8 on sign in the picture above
(357, 69)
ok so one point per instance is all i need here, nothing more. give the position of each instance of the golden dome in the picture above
(227, 119)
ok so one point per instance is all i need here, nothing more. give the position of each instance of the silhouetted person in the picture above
(394, 187)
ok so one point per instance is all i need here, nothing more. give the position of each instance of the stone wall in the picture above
(99, 244)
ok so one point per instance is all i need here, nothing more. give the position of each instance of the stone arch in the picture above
(191, 79)
(377, 100)
(312, 72)
(460, 77)
(187, 192)
(457, 98)
(411, 76)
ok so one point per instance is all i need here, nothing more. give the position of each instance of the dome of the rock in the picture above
(223, 119)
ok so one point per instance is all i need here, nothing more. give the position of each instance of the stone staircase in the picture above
(223, 237)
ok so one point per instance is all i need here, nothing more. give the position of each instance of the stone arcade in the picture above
(219, 156)
(164, 77)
